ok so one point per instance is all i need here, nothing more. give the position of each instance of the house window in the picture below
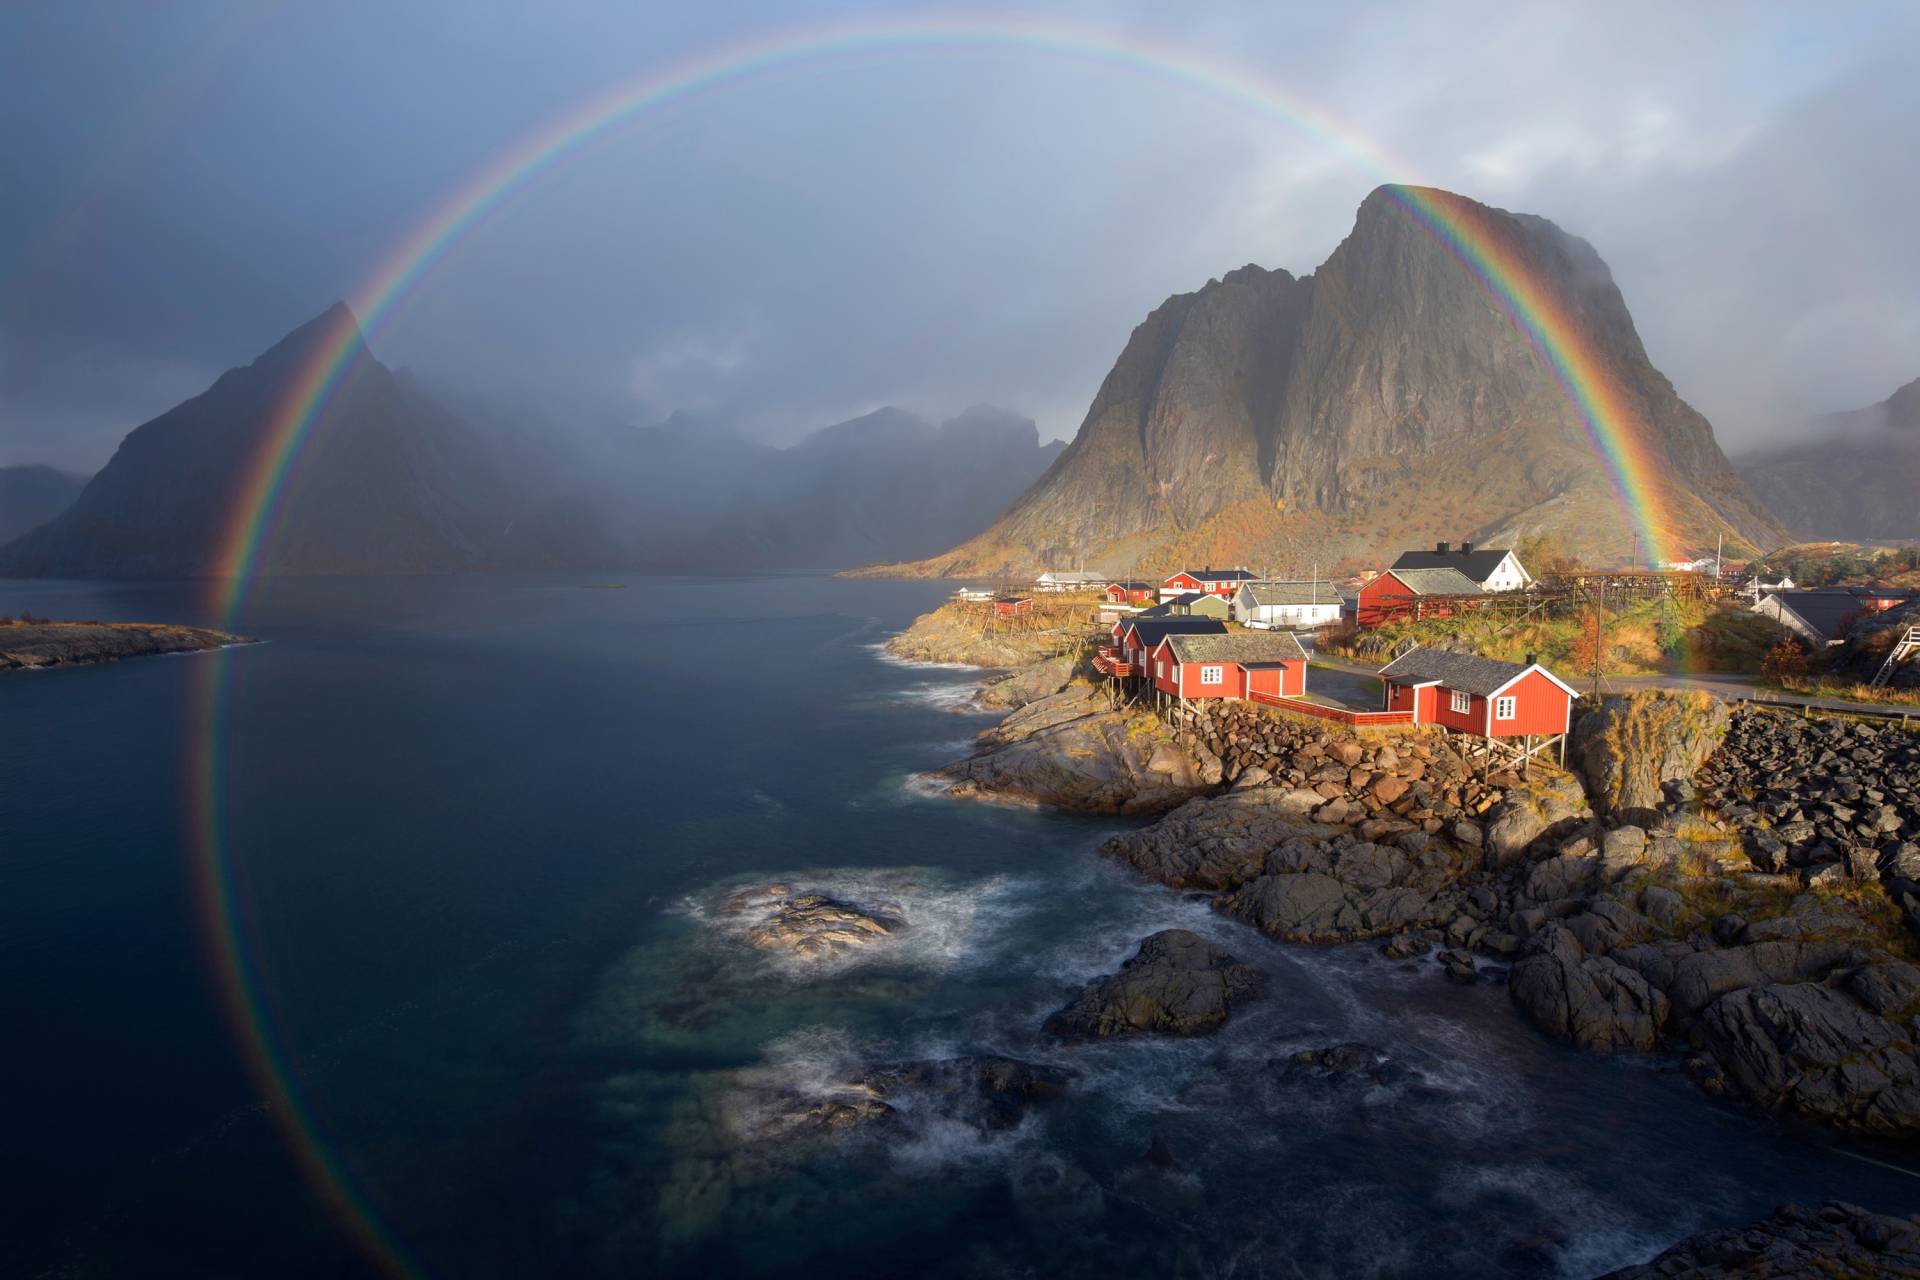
(1212, 675)
(1462, 702)
(1160, 669)
(1503, 708)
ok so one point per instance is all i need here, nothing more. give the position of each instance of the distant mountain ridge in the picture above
(392, 481)
(1852, 476)
(1383, 402)
(32, 495)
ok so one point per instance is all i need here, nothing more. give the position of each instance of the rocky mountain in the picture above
(1382, 402)
(387, 481)
(390, 480)
(1851, 476)
(31, 496)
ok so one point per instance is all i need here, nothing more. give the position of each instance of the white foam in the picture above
(881, 651)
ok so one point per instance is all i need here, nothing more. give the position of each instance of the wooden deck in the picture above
(1339, 715)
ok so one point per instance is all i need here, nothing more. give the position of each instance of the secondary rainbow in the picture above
(1462, 227)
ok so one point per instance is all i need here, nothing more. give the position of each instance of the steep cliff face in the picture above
(1852, 476)
(1385, 400)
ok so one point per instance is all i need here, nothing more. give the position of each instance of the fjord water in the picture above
(478, 830)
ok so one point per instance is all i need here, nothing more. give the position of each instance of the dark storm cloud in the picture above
(930, 227)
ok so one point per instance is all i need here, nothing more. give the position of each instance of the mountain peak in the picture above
(336, 328)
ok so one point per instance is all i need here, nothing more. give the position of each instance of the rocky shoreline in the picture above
(1736, 890)
(32, 646)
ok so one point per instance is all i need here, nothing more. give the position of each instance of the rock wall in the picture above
(1628, 748)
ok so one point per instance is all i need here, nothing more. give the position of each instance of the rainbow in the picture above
(1472, 234)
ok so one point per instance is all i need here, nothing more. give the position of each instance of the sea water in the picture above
(463, 849)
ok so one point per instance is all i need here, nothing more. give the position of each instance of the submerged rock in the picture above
(1352, 1061)
(809, 925)
(1177, 984)
(1835, 1240)
(986, 1093)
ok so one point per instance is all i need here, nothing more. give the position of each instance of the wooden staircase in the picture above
(1906, 644)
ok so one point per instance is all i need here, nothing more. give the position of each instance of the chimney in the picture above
(1533, 659)
(1466, 548)
(1441, 548)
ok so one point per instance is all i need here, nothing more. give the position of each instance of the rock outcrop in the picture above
(1792, 1243)
(1074, 750)
(1178, 983)
(1027, 684)
(959, 632)
(1630, 747)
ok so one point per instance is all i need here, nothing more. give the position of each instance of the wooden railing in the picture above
(1339, 715)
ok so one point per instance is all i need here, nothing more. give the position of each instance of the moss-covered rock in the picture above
(1631, 745)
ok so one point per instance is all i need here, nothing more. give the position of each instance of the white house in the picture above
(1289, 605)
(1070, 580)
(1489, 568)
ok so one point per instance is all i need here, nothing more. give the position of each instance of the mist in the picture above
(928, 226)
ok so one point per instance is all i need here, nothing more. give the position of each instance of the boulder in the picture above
(1177, 984)
(1594, 1002)
(1545, 805)
(1218, 842)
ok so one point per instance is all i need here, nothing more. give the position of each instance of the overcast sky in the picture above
(929, 226)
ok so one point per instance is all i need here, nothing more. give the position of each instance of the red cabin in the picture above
(1412, 593)
(1130, 592)
(1230, 666)
(1481, 696)
(1009, 606)
(1137, 637)
(1216, 582)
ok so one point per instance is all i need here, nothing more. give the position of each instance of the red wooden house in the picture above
(1011, 606)
(1135, 637)
(1412, 593)
(1229, 666)
(1218, 582)
(1130, 592)
(1480, 696)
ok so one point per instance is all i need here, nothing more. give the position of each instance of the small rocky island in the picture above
(1735, 890)
(31, 645)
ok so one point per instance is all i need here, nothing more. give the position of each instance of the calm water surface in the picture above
(478, 834)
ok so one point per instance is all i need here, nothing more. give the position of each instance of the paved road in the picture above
(1720, 686)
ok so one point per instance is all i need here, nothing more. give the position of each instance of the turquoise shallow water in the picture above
(481, 833)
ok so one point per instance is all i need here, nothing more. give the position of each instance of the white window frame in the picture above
(1160, 670)
(1506, 708)
(1213, 675)
(1460, 702)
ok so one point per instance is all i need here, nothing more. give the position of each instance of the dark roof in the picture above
(1162, 610)
(1153, 630)
(1010, 599)
(1131, 585)
(1249, 648)
(1467, 672)
(1478, 564)
(1282, 593)
(1831, 612)
(1444, 581)
(1216, 575)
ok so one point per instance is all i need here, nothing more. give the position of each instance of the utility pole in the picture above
(1599, 637)
(1719, 546)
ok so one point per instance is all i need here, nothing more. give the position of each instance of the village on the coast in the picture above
(1211, 633)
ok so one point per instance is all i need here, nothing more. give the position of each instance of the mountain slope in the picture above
(1381, 402)
(388, 482)
(1853, 475)
(31, 496)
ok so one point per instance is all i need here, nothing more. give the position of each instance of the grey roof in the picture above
(1831, 612)
(1217, 575)
(1249, 648)
(1153, 630)
(1292, 593)
(1161, 610)
(1130, 584)
(1467, 672)
(1478, 565)
(1438, 582)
